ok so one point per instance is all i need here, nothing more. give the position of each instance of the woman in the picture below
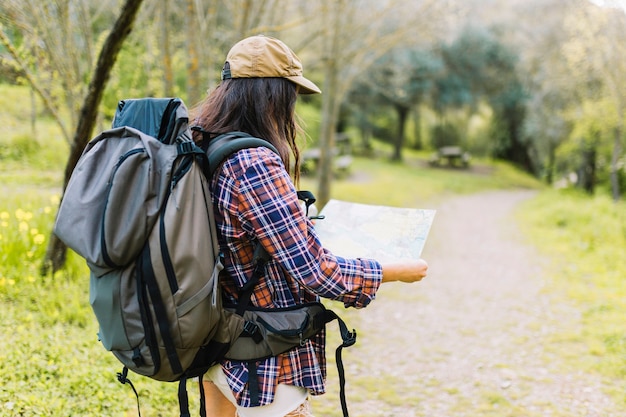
(255, 201)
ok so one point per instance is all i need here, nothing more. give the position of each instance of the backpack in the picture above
(138, 208)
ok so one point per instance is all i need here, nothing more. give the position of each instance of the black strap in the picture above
(183, 398)
(159, 310)
(122, 377)
(253, 384)
(202, 395)
(259, 258)
(348, 339)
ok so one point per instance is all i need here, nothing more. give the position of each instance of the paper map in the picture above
(387, 234)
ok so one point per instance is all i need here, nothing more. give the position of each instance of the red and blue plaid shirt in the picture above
(255, 200)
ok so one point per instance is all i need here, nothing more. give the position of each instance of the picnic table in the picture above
(451, 156)
(341, 162)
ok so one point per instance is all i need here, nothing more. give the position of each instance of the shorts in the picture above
(289, 400)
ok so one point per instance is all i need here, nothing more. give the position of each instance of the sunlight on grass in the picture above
(24, 143)
(586, 237)
(412, 183)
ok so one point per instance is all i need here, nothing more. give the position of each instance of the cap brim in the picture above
(306, 86)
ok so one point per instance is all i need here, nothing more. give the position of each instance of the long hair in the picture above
(262, 107)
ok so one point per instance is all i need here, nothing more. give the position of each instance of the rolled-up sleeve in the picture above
(269, 210)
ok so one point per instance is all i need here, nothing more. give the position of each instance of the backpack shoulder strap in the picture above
(225, 145)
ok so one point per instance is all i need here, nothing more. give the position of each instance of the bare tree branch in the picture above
(47, 100)
(56, 251)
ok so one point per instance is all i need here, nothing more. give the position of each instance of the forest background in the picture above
(535, 83)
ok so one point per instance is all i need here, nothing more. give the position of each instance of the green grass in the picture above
(413, 183)
(53, 365)
(586, 239)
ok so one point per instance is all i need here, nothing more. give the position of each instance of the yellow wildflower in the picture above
(23, 226)
(19, 214)
(34, 231)
(4, 215)
(23, 215)
(39, 239)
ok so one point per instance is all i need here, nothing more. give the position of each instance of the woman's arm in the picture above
(410, 271)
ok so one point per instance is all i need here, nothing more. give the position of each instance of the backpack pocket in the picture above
(270, 332)
(113, 299)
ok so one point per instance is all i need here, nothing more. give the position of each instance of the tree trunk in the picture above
(327, 135)
(403, 113)
(193, 60)
(587, 171)
(33, 114)
(417, 129)
(617, 152)
(166, 57)
(551, 163)
(329, 104)
(56, 251)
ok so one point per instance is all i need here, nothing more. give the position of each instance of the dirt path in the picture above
(478, 337)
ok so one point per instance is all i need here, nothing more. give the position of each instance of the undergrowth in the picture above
(586, 239)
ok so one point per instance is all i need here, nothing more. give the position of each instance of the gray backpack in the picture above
(138, 209)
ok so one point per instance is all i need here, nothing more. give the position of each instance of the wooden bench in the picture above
(451, 155)
(310, 161)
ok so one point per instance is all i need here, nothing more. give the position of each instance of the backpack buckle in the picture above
(185, 148)
(251, 329)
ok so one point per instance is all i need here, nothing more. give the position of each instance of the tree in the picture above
(480, 68)
(597, 55)
(402, 79)
(354, 35)
(166, 51)
(56, 251)
(548, 80)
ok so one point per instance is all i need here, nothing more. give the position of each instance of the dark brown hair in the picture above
(262, 107)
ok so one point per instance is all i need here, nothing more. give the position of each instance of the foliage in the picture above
(47, 326)
(49, 321)
(586, 238)
(377, 180)
(445, 134)
(37, 144)
(401, 80)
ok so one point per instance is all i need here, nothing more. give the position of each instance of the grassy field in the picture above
(586, 239)
(51, 363)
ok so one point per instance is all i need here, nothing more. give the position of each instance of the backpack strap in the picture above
(122, 377)
(220, 147)
(348, 339)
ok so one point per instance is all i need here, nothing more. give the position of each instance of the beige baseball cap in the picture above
(264, 57)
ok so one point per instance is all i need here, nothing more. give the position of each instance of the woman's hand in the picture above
(409, 271)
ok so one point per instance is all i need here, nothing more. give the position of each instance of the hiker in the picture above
(255, 201)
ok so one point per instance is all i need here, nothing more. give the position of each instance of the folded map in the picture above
(387, 234)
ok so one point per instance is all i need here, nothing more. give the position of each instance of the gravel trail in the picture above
(478, 337)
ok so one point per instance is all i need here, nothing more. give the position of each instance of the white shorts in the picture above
(286, 399)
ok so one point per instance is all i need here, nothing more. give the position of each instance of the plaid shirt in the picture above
(255, 200)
